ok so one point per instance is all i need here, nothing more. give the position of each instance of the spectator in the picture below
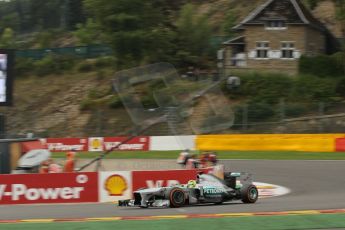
(70, 162)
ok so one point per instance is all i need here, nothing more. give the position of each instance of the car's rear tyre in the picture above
(249, 194)
(177, 198)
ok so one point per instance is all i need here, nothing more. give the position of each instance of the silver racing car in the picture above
(207, 188)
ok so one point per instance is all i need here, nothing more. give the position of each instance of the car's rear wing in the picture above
(243, 178)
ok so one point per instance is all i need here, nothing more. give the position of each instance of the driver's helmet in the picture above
(191, 184)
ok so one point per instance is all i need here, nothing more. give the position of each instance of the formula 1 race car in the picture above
(206, 189)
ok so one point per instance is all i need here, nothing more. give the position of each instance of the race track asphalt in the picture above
(314, 185)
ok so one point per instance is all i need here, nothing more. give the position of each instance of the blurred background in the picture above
(68, 51)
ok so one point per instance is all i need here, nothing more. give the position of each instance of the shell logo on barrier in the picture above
(115, 185)
(95, 144)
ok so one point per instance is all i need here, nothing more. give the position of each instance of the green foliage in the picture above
(323, 65)
(24, 66)
(268, 88)
(140, 32)
(130, 27)
(85, 105)
(229, 23)
(97, 94)
(7, 39)
(149, 101)
(340, 88)
(11, 20)
(75, 13)
(96, 64)
(311, 88)
(53, 64)
(25, 16)
(84, 66)
(193, 36)
(103, 62)
(313, 3)
(45, 38)
(262, 90)
(259, 111)
(115, 102)
(88, 33)
(340, 7)
(46, 66)
(295, 109)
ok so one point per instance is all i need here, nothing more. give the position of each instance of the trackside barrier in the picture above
(340, 145)
(96, 144)
(269, 142)
(242, 142)
(49, 188)
(84, 187)
(163, 143)
(99, 186)
(141, 143)
(118, 185)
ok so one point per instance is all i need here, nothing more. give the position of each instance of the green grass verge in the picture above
(323, 221)
(273, 155)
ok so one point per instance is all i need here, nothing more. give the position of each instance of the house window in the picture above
(276, 25)
(287, 50)
(262, 49)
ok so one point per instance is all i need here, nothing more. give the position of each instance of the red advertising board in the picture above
(340, 145)
(151, 179)
(66, 144)
(30, 145)
(135, 144)
(95, 144)
(49, 188)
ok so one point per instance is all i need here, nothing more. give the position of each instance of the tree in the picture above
(11, 20)
(193, 35)
(7, 39)
(229, 23)
(340, 15)
(313, 3)
(88, 33)
(130, 27)
(75, 13)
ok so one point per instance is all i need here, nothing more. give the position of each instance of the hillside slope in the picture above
(51, 106)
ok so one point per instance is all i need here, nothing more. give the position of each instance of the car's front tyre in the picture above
(177, 198)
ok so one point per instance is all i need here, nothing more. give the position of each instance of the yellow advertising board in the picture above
(269, 142)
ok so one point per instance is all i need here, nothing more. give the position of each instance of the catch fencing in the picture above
(90, 51)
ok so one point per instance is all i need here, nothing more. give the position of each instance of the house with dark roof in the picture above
(273, 38)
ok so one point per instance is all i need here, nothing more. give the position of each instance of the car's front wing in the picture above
(156, 203)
